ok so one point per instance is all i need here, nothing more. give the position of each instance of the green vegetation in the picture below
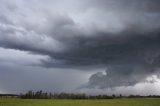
(44, 95)
(62, 102)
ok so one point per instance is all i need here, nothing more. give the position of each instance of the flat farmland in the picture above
(53, 102)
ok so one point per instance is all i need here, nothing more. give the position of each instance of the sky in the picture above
(88, 46)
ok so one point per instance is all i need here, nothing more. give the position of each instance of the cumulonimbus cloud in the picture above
(107, 35)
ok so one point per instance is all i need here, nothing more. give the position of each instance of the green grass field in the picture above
(111, 102)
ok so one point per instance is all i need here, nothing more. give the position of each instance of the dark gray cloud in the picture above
(122, 35)
(117, 76)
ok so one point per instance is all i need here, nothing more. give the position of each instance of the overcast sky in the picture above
(90, 46)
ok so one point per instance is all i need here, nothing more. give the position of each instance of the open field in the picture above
(108, 102)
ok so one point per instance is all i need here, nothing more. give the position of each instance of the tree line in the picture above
(9, 95)
(45, 95)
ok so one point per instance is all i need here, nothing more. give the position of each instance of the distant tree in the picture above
(113, 95)
(45, 95)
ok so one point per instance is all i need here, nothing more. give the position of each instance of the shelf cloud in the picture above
(123, 37)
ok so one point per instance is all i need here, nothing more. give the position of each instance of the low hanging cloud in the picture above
(118, 76)
(120, 35)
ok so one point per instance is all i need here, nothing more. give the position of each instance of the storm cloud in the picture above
(122, 37)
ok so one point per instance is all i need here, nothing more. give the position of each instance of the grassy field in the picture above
(111, 102)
